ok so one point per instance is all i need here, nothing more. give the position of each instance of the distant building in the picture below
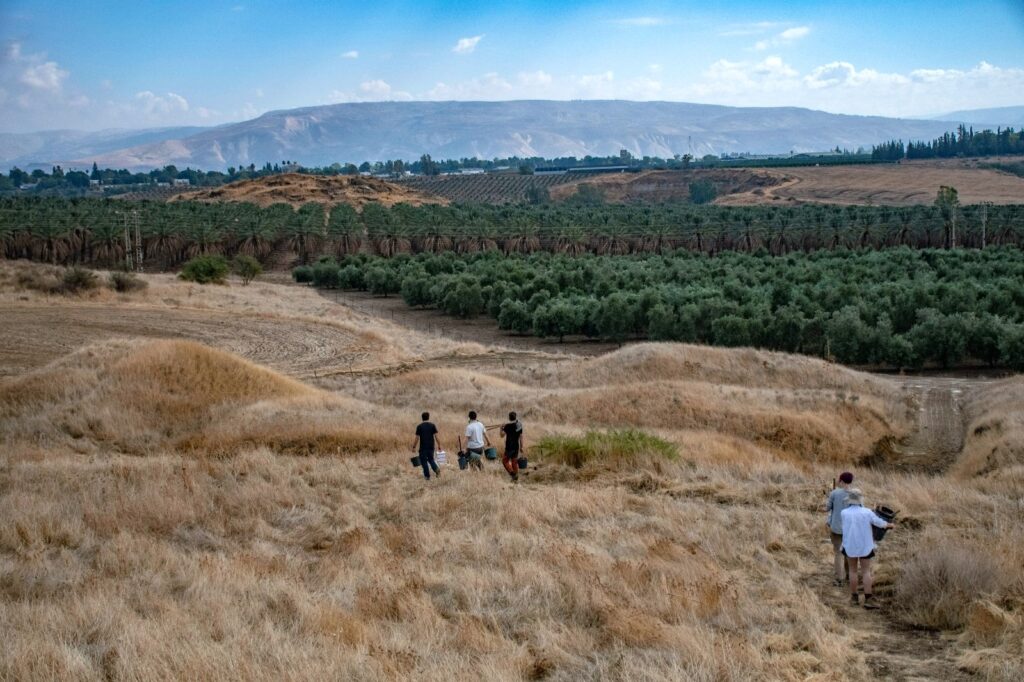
(94, 183)
(163, 184)
(181, 182)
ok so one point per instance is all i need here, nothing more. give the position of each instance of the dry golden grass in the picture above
(137, 398)
(994, 440)
(171, 510)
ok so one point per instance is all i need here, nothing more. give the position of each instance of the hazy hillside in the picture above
(1000, 116)
(47, 147)
(382, 130)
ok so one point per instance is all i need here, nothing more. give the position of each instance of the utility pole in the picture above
(127, 243)
(138, 241)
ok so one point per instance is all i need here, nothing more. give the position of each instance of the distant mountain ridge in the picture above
(51, 147)
(999, 116)
(374, 131)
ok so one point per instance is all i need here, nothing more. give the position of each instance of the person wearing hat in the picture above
(834, 506)
(859, 544)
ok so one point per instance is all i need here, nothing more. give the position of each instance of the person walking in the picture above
(859, 544)
(514, 446)
(427, 443)
(834, 507)
(476, 439)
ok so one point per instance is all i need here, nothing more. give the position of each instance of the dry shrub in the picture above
(937, 586)
(126, 282)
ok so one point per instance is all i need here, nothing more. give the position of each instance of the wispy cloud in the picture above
(755, 28)
(790, 35)
(351, 54)
(641, 21)
(466, 45)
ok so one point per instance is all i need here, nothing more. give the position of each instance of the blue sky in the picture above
(99, 64)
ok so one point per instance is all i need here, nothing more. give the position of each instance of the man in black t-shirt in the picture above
(514, 445)
(426, 437)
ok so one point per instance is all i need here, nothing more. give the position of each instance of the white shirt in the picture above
(474, 435)
(858, 540)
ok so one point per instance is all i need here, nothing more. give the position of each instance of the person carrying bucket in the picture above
(859, 544)
(426, 438)
(476, 439)
(514, 446)
(834, 506)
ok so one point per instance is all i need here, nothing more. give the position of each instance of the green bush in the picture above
(126, 282)
(303, 274)
(614, 447)
(246, 267)
(326, 275)
(205, 270)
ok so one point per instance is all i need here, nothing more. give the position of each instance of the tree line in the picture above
(899, 308)
(964, 142)
(91, 231)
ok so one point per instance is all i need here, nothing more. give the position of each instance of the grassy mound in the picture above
(160, 395)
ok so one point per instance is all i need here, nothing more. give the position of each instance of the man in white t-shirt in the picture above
(476, 439)
(859, 544)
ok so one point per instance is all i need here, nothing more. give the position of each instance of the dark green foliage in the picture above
(898, 307)
(246, 267)
(326, 275)
(205, 270)
(303, 274)
(702, 192)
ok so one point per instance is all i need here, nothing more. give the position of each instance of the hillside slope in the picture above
(297, 189)
(387, 130)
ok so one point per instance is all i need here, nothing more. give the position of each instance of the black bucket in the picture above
(522, 462)
(415, 461)
(887, 515)
(463, 461)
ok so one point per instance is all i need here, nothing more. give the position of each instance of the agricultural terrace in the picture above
(91, 231)
(897, 307)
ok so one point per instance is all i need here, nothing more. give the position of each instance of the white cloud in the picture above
(785, 37)
(466, 45)
(46, 76)
(794, 33)
(535, 79)
(642, 21)
(751, 29)
(153, 105)
(490, 86)
(351, 54)
(841, 87)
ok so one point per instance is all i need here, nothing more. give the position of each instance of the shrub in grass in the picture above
(935, 588)
(246, 267)
(76, 280)
(617, 447)
(205, 270)
(303, 274)
(126, 282)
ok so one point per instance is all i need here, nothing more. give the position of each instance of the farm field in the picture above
(183, 484)
(899, 308)
(906, 184)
